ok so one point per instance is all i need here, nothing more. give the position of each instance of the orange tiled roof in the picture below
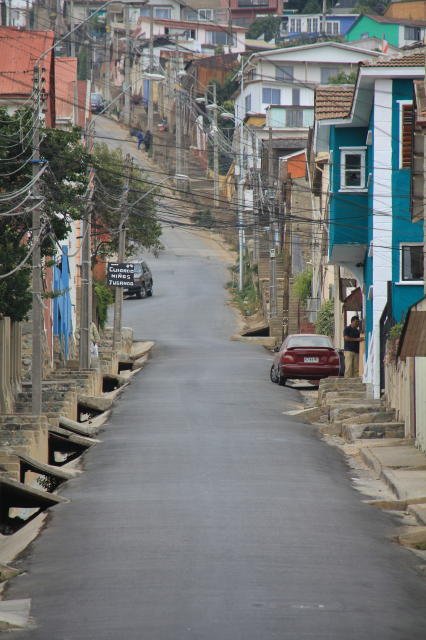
(333, 101)
(415, 58)
(19, 51)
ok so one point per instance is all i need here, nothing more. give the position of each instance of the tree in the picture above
(143, 228)
(268, 26)
(312, 6)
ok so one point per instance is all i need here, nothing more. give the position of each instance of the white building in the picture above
(288, 77)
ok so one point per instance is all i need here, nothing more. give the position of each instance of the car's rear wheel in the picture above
(141, 293)
(149, 293)
(273, 375)
(281, 380)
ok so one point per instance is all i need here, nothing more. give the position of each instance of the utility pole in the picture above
(72, 36)
(272, 259)
(151, 68)
(324, 16)
(215, 149)
(240, 210)
(127, 87)
(287, 254)
(37, 306)
(86, 266)
(107, 59)
(178, 137)
(255, 179)
(118, 304)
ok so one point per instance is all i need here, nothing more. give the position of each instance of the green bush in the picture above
(325, 319)
(103, 298)
(302, 285)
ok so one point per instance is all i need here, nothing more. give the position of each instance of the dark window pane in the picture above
(353, 161)
(412, 262)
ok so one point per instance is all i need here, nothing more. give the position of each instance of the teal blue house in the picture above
(371, 231)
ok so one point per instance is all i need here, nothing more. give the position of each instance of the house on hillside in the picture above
(244, 12)
(281, 84)
(399, 32)
(19, 52)
(313, 25)
(372, 234)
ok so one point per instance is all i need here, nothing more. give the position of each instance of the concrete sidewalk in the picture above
(403, 468)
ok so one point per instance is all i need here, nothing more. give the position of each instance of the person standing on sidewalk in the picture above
(352, 339)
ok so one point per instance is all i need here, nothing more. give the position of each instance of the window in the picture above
(329, 28)
(294, 118)
(220, 38)
(163, 13)
(314, 25)
(309, 25)
(335, 28)
(412, 265)
(352, 168)
(271, 96)
(295, 97)
(284, 73)
(247, 103)
(205, 14)
(292, 25)
(327, 73)
(412, 33)
(406, 120)
(298, 25)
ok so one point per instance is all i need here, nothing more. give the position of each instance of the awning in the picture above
(354, 301)
(413, 339)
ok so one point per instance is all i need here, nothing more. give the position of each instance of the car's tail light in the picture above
(287, 358)
(334, 359)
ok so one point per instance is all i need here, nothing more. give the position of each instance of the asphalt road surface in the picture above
(207, 514)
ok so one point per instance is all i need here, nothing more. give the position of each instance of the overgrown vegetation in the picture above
(302, 285)
(395, 331)
(205, 219)
(103, 298)
(344, 78)
(247, 300)
(325, 319)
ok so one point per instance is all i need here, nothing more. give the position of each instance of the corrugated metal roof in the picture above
(333, 101)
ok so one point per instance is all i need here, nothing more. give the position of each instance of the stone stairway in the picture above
(348, 411)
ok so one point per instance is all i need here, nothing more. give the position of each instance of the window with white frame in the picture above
(329, 28)
(309, 25)
(314, 25)
(205, 14)
(412, 262)
(284, 72)
(271, 96)
(295, 97)
(352, 168)
(292, 24)
(247, 103)
(335, 28)
(163, 13)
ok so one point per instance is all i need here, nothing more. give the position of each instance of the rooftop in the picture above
(333, 101)
(415, 58)
(19, 51)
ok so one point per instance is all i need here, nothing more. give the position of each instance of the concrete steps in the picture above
(351, 414)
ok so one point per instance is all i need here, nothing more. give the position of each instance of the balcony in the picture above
(291, 117)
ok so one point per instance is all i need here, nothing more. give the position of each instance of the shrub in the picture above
(325, 319)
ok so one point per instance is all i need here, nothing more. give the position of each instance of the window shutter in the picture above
(407, 136)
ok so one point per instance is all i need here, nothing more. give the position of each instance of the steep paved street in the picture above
(207, 514)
